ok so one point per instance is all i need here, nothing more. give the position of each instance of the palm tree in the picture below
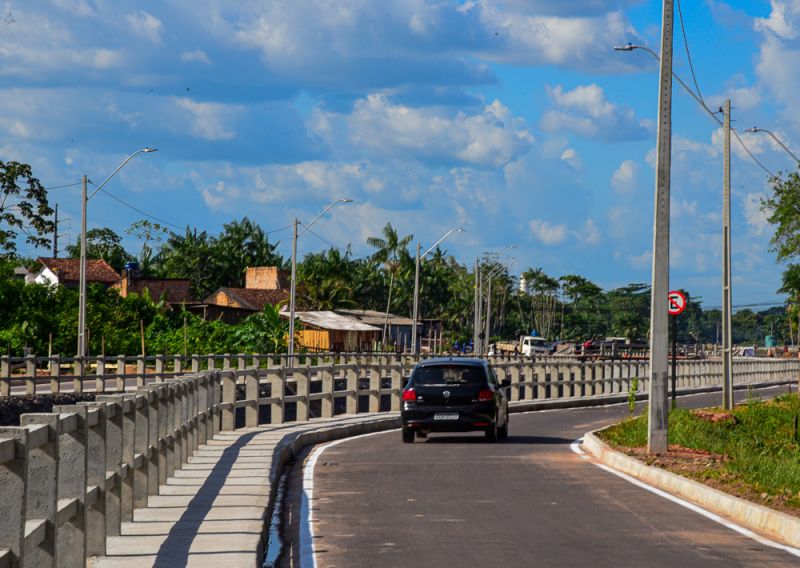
(391, 249)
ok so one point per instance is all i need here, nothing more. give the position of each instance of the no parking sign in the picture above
(677, 303)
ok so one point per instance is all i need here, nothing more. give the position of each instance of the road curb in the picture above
(773, 524)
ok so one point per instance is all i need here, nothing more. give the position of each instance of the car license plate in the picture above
(445, 416)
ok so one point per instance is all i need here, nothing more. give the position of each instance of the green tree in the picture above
(102, 244)
(190, 256)
(783, 208)
(240, 245)
(391, 249)
(23, 208)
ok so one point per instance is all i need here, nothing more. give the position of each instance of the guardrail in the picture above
(69, 478)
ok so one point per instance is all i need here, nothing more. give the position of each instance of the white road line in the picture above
(307, 546)
(691, 506)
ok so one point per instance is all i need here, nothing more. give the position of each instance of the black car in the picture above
(454, 395)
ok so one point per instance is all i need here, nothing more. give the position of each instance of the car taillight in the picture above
(410, 395)
(485, 395)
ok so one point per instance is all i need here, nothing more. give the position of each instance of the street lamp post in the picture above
(477, 341)
(82, 278)
(497, 269)
(416, 284)
(781, 144)
(293, 285)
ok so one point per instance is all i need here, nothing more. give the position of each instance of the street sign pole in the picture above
(676, 303)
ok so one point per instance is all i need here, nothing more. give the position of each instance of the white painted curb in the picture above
(769, 522)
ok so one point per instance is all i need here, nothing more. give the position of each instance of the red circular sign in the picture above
(676, 303)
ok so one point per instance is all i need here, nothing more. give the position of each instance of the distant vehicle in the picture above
(527, 346)
(454, 395)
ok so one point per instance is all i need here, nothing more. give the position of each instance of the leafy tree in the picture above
(190, 256)
(148, 233)
(23, 208)
(240, 245)
(102, 244)
(783, 208)
(391, 249)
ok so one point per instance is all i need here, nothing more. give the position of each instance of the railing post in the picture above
(120, 374)
(228, 399)
(72, 462)
(159, 368)
(152, 461)
(128, 451)
(5, 376)
(30, 375)
(100, 375)
(79, 367)
(276, 376)
(374, 371)
(169, 428)
(140, 404)
(112, 476)
(301, 390)
(177, 365)
(514, 382)
(251, 397)
(55, 374)
(95, 478)
(41, 489)
(396, 371)
(141, 369)
(195, 363)
(215, 392)
(327, 372)
(13, 483)
(352, 390)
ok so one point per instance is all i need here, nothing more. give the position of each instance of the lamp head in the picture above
(626, 47)
(752, 129)
(345, 200)
(148, 149)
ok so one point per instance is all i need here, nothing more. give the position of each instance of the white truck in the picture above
(527, 346)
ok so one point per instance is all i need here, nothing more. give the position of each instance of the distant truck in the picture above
(527, 346)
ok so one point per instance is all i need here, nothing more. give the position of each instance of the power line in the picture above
(335, 246)
(140, 211)
(62, 186)
(689, 55)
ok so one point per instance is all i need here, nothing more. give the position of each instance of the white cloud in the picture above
(641, 261)
(777, 21)
(756, 218)
(585, 110)
(146, 25)
(210, 121)
(590, 234)
(547, 233)
(196, 56)
(624, 179)
(492, 137)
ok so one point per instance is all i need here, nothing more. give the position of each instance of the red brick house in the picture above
(66, 272)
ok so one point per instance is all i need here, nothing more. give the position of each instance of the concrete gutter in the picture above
(769, 522)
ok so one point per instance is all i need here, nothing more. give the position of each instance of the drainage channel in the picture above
(274, 539)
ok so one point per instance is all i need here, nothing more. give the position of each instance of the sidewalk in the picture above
(213, 511)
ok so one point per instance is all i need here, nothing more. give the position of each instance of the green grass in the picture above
(761, 444)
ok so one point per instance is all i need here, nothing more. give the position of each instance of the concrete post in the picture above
(396, 371)
(5, 376)
(514, 391)
(152, 399)
(99, 375)
(41, 496)
(30, 374)
(140, 371)
(251, 396)
(301, 389)
(113, 479)
(72, 462)
(195, 363)
(79, 372)
(159, 359)
(276, 378)
(169, 428)
(95, 478)
(374, 387)
(140, 404)
(55, 374)
(215, 390)
(177, 365)
(327, 373)
(228, 400)
(13, 481)
(351, 378)
(120, 374)
(128, 451)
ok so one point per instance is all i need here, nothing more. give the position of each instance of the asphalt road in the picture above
(531, 501)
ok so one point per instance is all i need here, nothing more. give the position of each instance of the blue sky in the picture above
(512, 118)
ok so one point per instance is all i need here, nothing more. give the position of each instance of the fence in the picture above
(69, 478)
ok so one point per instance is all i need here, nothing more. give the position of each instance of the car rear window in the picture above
(449, 375)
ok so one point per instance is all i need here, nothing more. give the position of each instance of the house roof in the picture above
(331, 321)
(373, 317)
(69, 269)
(253, 299)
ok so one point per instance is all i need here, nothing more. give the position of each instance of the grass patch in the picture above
(755, 448)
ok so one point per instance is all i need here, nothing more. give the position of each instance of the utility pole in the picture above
(416, 303)
(476, 324)
(55, 232)
(659, 328)
(727, 336)
(488, 314)
(292, 289)
(480, 311)
(82, 282)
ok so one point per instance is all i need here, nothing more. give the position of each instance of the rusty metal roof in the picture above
(331, 320)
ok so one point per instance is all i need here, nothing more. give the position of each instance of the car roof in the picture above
(461, 361)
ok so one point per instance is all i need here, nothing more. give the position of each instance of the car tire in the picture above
(408, 436)
(502, 433)
(492, 433)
